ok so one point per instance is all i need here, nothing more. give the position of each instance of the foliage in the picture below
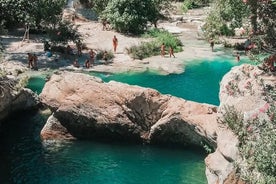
(264, 21)
(132, 16)
(62, 32)
(257, 138)
(36, 13)
(100, 54)
(42, 15)
(147, 49)
(224, 17)
(190, 4)
(144, 50)
(100, 5)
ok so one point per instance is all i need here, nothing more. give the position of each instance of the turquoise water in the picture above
(25, 159)
(199, 82)
(36, 83)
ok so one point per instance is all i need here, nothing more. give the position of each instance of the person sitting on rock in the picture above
(76, 63)
(87, 63)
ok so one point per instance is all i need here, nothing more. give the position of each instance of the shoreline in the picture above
(95, 38)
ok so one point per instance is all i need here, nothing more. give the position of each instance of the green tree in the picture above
(100, 5)
(132, 16)
(225, 16)
(263, 21)
(36, 13)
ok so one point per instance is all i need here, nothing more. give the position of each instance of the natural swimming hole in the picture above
(25, 159)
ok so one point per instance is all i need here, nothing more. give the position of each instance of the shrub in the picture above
(152, 48)
(100, 54)
(257, 138)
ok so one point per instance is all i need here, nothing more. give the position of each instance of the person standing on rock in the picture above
(92, 56)
(35, 62)
(162, 50)
(212, 44)
(30, 60)
(115, 43)
(79, 47)
(171, 51)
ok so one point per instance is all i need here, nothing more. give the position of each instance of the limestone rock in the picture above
(13, 99)
(92, 109)
(218, 168)
(242, 88)
(54, 130)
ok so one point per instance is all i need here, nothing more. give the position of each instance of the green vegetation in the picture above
(225, 16)
(130, 16)
(190, 4)
(62, 32)
(257, 18)
(257, 138)
(100, 54)
(147, 49)
(36, 13)
(39, 15)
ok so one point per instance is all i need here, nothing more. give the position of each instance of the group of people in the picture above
(163, 50)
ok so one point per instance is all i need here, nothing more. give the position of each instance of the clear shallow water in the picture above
(25, 159)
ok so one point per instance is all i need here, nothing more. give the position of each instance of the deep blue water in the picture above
(25, 159)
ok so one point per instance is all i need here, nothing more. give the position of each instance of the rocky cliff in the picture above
(13, 95)
(244, 89)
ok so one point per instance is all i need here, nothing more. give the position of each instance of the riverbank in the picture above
(95, 38)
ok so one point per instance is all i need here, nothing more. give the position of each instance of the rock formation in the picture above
(13, 97)
(91, 109)
(242, 88)
(84, 107)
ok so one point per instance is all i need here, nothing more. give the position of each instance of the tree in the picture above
(225, 16)
(132, 16)
(100, 5)
(36, 13)
(263, 21)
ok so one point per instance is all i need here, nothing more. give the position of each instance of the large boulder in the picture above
(91, 109)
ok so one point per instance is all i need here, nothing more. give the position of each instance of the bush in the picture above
(190, 4)
(147, 49)
(226, 31)
(100, 54)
